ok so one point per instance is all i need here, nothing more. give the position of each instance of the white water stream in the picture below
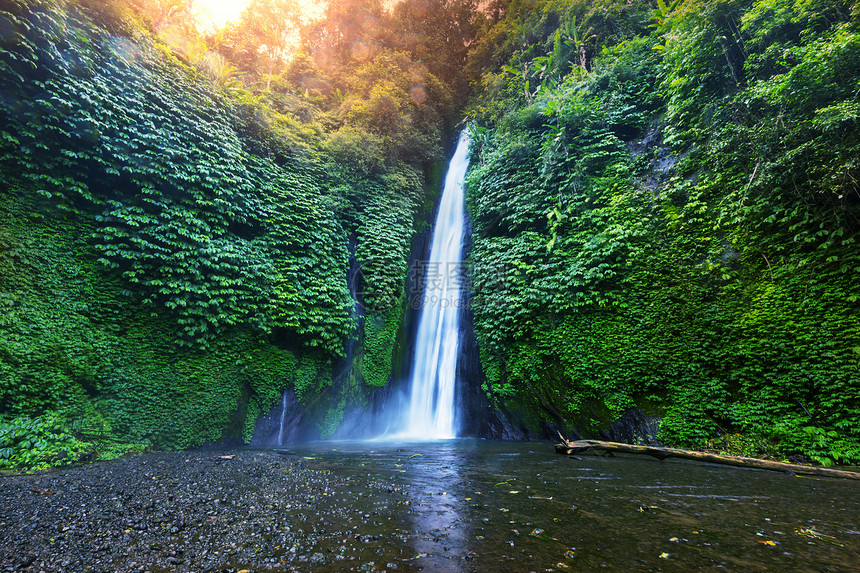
(430, 412)
(283, 419)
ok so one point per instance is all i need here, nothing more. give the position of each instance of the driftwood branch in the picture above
(662, 453)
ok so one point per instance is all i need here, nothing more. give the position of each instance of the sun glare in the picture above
(218, 12)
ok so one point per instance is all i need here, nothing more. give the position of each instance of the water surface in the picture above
(471, 505)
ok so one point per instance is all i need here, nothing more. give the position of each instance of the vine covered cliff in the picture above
(177, 239)
(666, 211)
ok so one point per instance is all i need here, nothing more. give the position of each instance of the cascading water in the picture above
(430, 409)
(283, 419)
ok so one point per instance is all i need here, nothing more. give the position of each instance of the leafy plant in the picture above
(828, 447)
(38, 443)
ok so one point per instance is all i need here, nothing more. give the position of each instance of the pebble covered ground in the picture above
(194, 511)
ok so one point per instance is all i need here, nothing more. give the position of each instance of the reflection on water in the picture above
(470, 505)
(439, 514)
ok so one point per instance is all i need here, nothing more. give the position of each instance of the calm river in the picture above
(469, 505)
(452, 506)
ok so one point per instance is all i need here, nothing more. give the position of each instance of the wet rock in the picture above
(634, 427)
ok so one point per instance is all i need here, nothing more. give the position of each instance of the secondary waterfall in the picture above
(430, 411)
(283, 419)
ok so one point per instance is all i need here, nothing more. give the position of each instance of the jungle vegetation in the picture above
(664, 200)
(665, 208)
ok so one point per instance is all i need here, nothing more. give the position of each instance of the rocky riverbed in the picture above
(457, 506)
(259, 511)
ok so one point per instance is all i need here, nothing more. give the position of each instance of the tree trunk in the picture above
(662, 453)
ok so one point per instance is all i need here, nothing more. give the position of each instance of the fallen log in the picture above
(579, 446)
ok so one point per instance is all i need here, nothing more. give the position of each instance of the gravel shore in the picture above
(264, 510)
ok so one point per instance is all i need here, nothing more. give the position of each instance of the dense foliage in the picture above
(37, 443)
(664, 200)
(666, 209)
(176, 247)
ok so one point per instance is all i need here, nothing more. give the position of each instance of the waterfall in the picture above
(283, 419)
(430, 409)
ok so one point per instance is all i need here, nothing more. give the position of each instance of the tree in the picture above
(437, 32)
(270, 25)
(163, 11)
(352, 30)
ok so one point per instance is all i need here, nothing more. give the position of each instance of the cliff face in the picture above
(176, 253)
(666, 212)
